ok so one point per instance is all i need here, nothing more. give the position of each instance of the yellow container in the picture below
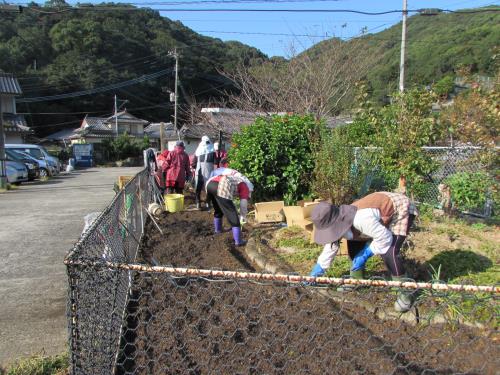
(174, 202)
(123, 180)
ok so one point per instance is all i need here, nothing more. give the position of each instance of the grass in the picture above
(306, 253)
(39, 365)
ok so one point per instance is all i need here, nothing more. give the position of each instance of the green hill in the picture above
(63, 50)
(436, 46)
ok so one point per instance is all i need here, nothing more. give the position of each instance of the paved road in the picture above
(39, 223)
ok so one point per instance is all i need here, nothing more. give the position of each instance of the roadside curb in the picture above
(256, 252)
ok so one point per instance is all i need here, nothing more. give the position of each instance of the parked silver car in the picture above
(48, 167)
(16, 172)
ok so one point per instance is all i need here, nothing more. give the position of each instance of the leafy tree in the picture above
(402, 129)
(276, 154)
(337, 174)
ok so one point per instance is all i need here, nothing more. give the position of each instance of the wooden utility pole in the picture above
(116, 117)
(162, 136)
(3, 169)
(403, 49)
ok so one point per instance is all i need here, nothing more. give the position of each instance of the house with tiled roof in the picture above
(95, 129)
(15, 127)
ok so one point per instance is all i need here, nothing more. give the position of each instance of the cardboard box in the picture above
(299, 215)
(269, 212)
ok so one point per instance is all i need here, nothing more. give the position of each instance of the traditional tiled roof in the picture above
(95, 125)
(15, 123)
(228, 120)
(9, 85)
(153, 131)
(124, 116)
(61, 135)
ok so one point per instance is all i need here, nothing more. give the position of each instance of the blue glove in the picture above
(317, 271)
(359, 261)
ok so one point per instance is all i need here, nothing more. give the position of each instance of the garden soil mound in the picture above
(219, 326)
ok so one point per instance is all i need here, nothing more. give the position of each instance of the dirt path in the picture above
(200, 326)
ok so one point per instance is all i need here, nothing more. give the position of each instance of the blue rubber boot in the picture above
(217, 225)
(238, 241)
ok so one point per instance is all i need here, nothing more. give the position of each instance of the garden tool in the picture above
(405, 298)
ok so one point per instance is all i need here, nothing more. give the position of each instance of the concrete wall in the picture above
(8, 104)
(15, 138)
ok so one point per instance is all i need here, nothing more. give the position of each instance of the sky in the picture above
(279, 33)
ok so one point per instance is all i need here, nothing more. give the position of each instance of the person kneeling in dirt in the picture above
(383, 217)
(178, 169)
(223, 186)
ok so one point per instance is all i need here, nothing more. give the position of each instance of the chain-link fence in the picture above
(130, 318)
(463, 165)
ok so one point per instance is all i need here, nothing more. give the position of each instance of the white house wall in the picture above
(8, 104)
(13, 138)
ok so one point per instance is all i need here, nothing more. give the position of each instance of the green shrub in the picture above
(276, 155)
(337, 175)
(470, 190)
(123, 147)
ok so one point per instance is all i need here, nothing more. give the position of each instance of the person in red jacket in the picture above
(160, 170)
(177, 168)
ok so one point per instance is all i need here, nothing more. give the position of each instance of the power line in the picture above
(134, 81)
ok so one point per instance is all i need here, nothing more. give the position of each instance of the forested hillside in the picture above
(58, 50)
(436, 46)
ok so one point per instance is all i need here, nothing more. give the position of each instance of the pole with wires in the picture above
(175, 91)
(403, 49)
(3, 169)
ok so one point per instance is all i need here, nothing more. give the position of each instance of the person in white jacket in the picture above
(376, 224)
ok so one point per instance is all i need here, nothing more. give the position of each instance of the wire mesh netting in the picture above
(130, 318)
(448, 162)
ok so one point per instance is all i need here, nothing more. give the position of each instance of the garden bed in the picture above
(223, 326)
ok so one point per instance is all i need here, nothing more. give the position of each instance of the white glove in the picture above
(243, 210)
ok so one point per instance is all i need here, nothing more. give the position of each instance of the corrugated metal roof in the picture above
(9, 84)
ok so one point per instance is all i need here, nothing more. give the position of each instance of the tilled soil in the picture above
(218, 326)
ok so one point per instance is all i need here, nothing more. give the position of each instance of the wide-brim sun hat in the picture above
(331, 222)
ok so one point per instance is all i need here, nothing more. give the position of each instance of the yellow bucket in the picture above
(174, 202)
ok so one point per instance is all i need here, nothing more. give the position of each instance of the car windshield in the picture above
(35, 152)
(13, 155)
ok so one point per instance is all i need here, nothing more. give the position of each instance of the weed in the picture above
(39, 365)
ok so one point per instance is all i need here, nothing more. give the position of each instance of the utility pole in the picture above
(176, 96)
(3, 169)
(162, 136)
(116, 117)
(403, 49)
(175, 91)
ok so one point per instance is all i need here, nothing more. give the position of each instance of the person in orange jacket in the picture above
(177, 169)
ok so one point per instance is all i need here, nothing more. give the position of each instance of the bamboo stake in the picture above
(294, 279)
